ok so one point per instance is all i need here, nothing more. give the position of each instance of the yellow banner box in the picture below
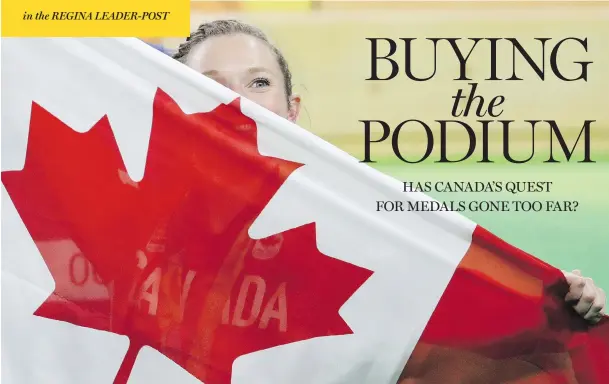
(95, 18)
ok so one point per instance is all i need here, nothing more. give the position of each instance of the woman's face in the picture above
(249, 67)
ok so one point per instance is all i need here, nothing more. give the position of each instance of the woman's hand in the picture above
(587, 299)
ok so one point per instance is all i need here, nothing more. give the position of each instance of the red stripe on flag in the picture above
(503, 319)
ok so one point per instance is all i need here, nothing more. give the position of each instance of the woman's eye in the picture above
(260, 82)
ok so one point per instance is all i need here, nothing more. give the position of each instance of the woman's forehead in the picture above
(233, 53)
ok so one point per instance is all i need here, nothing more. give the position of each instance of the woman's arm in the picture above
(586, 298)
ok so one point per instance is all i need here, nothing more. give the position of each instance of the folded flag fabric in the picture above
(159, 228)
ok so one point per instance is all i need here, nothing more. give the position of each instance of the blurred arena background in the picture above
(324, 43)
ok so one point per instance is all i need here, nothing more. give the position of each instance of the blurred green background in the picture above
(325, 45)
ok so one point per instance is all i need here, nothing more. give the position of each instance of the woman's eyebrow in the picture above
(210, 73)
(250, 70)
(254, 70)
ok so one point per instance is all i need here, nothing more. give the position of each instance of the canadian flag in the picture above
(159, 228)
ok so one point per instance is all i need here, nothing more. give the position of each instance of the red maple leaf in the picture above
(167, 261)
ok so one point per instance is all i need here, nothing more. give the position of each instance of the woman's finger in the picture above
(596, 312)
(589, 295)
(576, 286)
